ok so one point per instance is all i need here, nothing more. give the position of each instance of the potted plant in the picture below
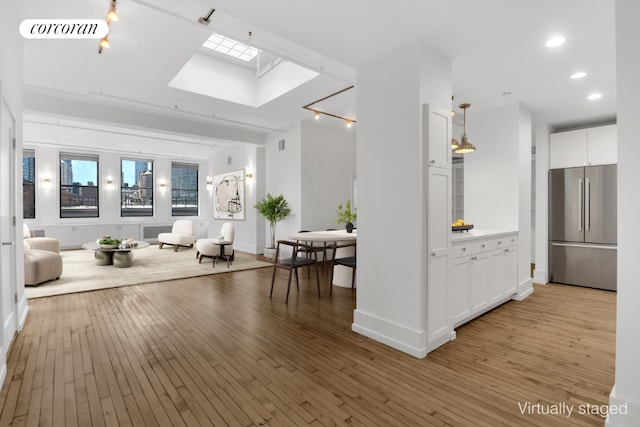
(347, 215)
(274, 209)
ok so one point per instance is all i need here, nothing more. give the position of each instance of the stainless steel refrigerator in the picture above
(583, 226)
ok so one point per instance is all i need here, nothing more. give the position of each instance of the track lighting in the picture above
(113, 13)
(316, 112)
(204, 20)
(112, 16)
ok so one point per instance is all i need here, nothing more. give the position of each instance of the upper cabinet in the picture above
(603, 145)
(437, 136)
(584, 147)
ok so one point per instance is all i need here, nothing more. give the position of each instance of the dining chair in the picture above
(292, 264)
(309, 249)
(348, 261)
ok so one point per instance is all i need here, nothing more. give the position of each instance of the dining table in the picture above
(341, 274)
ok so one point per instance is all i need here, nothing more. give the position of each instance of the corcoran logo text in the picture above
(63, 28)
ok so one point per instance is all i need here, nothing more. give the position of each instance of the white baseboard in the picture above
(410, 341)
(251, 249)
(540, 276)
(23, 310)
(3, 368)
(627, 411)
(525, 288)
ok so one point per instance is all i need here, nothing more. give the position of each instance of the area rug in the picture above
(149, 265)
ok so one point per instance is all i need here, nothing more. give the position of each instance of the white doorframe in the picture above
(8, 276)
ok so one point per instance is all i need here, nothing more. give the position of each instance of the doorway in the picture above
(8, 290)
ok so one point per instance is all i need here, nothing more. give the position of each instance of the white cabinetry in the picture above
(602, 145)
(483, 274)
(437, 134)
(583, 147)
(437, 173)
(438, 223)
(459, 280)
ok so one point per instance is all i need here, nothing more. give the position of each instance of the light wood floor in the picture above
(216, 351)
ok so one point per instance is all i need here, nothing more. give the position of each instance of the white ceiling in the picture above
(496, 46)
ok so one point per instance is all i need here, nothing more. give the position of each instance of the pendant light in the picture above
(464, 147)
(454, 142)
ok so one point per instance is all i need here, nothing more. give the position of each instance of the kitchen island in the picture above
(483, 272)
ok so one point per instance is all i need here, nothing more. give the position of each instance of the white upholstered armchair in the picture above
(42, 259)
(181, 235)
(213, 247)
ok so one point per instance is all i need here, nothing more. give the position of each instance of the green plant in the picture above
(274, 209)
(109, 241)
(347, 215)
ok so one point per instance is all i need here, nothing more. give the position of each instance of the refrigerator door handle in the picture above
(587, 204)
(580, 205)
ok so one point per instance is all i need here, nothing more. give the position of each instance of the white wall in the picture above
(391, 299)
(246, 232)
(47, 200)
(283, 175)
(541, 272)
(497, 178)
(627, 375)
(314, 173)
(328, 167)
(491, 173)
(13, 315)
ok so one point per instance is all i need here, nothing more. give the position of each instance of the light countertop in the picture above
(465, 236)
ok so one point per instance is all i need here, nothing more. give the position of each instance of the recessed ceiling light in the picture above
(594, 96)
(555, 41)
(578, 75)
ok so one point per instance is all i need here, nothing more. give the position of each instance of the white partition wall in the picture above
(626, 392)
(392, 286)
(13, 303)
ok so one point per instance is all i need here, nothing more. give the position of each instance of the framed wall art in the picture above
(228, 195)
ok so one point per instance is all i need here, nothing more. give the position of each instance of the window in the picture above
(28, 184)
(184, 189)
(136, 187)
(78, 186)
(230, 47)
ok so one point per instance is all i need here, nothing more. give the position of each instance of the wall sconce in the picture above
(109, 183)
(163, 185)
(209, 183)
(46, 182)
(249, 175)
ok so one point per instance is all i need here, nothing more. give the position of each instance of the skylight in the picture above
(230, 47)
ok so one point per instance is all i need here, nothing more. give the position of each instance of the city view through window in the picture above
(78, 186)
(136, 191)
(184, 189)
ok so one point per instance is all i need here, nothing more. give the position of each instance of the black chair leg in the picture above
(318, 279)
(353, 278)
(289, 285)
(331, 279)
(297, 282)
(273, 280)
